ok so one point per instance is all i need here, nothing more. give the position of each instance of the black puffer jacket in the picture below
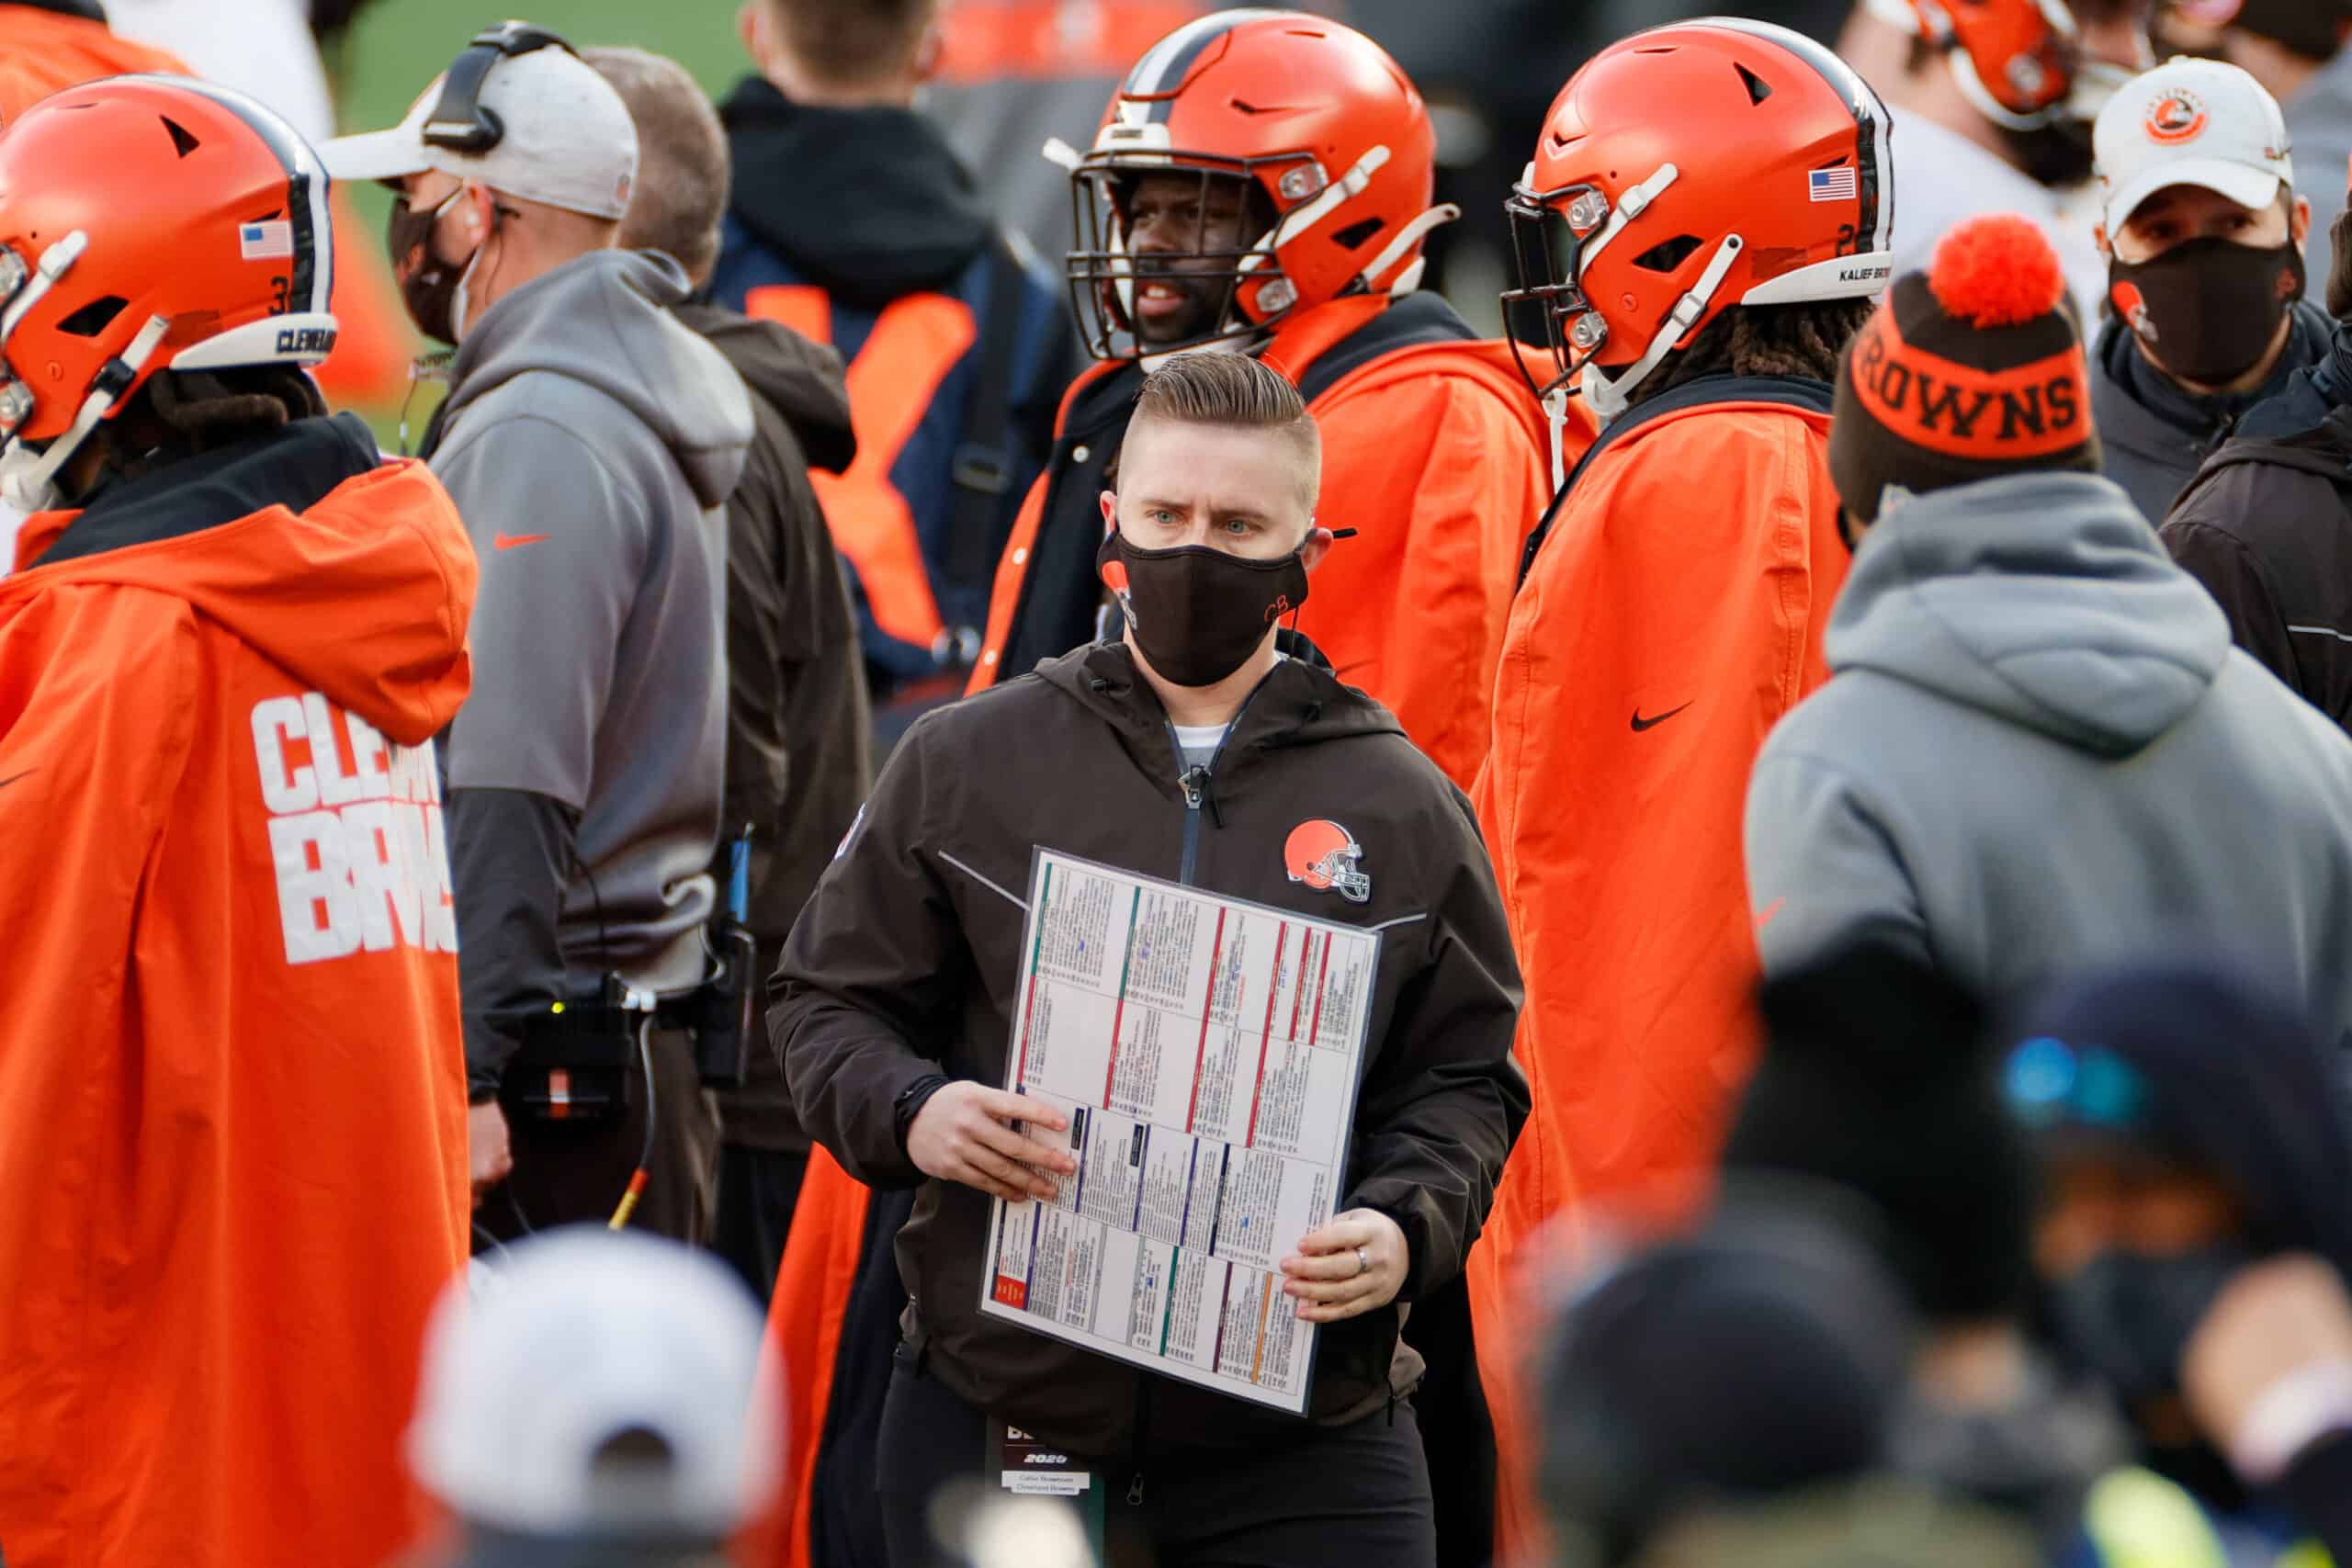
(2266, 527)
(904, 967)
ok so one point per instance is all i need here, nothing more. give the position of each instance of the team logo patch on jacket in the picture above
(1326, 857)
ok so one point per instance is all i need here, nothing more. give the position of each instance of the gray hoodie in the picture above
(2039, 751)
(591, 443)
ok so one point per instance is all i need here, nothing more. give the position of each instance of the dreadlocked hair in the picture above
(1802, 340)
(183, 413)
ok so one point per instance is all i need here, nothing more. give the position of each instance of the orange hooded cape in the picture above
(233, 1089)
(1674, 612)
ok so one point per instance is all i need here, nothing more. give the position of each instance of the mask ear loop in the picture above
(459, 296)
(1299, 609)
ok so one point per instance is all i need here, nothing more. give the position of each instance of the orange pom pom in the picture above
(1997, 271)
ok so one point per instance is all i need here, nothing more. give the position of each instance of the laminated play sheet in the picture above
(1205, 1050)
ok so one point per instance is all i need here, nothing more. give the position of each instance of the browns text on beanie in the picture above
(1968, 371)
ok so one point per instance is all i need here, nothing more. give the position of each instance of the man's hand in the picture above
(1347, 1268)
(2274, 1321)
(962, 1134)
(486, 1147)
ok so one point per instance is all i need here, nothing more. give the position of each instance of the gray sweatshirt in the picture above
(2038, 751)
(591, 443)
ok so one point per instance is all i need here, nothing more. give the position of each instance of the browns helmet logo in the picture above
(2179, 116)
(1326, 857)
(2133, 306)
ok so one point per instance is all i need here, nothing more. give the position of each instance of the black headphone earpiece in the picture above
(458, 120)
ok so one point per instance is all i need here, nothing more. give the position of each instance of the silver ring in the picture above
(1364, 1264)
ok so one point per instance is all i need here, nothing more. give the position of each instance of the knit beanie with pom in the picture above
(1968, 371)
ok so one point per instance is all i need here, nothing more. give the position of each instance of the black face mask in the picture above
(2128, 1315)
(2208, 310)
(1196, 612)
(430, 292)
(2058, 155)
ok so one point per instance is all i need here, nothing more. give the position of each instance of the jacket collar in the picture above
(1791, 392)
(2146, 412)
(869, 204)
(294, 467)
(1300, 703)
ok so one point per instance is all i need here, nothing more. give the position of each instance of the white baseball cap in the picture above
(581, 1335)
(2190, 122)
(562, 135)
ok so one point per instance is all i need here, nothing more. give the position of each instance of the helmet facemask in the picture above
(1222, 285)
(1549, 230)
(29, 475)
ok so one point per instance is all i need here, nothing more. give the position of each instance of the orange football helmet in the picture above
(147, 222)
(1688, 169)
(2018, 62)
(1313, 115)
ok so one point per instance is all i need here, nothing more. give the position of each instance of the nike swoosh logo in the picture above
(1641, 724)
(516, 541)
(12, 778)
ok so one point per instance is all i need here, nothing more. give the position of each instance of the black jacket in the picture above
(798, 732)
(2154, 432)
(903, 968)
(2266, 527)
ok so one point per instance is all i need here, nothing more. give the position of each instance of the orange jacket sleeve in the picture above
(1673, 615)
(1440, 477)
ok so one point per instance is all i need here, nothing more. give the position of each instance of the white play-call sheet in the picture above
(1206, 1051)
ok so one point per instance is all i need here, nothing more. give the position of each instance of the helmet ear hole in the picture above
(1355, 235)
(1670, 255)
(95, 317)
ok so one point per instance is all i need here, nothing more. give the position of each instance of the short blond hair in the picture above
(1236, 392)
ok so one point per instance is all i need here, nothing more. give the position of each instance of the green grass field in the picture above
(398, 45)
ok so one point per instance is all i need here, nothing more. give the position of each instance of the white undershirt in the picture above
(1199, 741)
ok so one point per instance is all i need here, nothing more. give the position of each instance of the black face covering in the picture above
(2208, 310)
(430, 292)
(2129, 1315)
(1196, 612)
(2058, 155)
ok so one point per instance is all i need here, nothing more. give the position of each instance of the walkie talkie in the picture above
(726, 1005)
